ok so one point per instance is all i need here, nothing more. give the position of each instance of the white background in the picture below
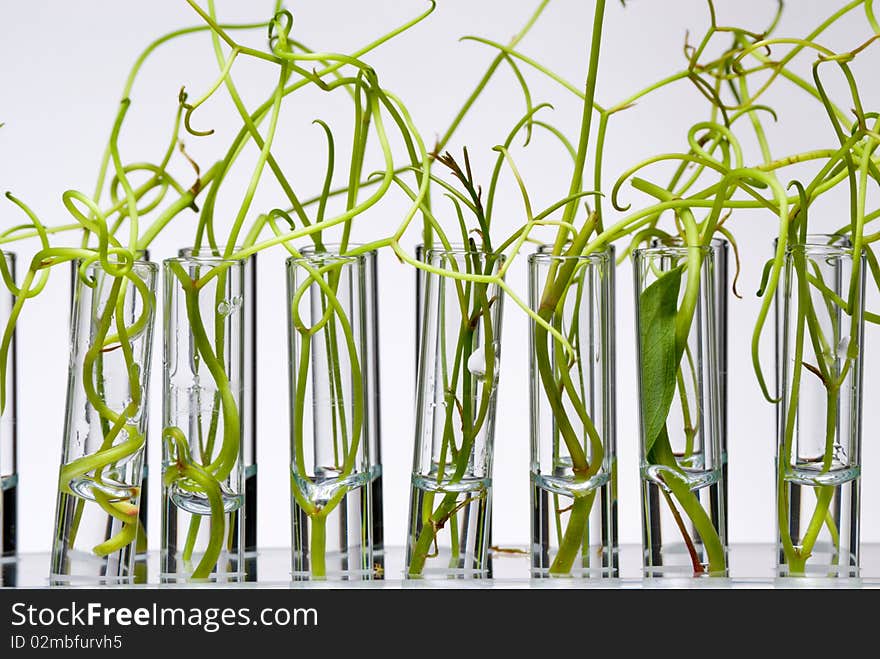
(62, 68)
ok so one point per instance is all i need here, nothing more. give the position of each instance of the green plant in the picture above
(713, 179)
(373, 106)
(739, 185)
(200, 472)
(711, 182)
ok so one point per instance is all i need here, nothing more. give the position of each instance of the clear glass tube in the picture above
(680, 451)
(202, 468)
(96, 520)
(573, 452)
(721, 256)
(419, 253)
(374, 428)
(450, 505)
(819, 413)
(8, 434)
(330, 448)
(248, 401)
(371, 367)
(143, 513)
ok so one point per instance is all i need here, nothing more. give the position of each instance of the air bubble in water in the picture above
(229, 307)
(476, 363)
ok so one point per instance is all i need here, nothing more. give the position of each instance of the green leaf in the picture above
(658, 305)
(661, 451)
